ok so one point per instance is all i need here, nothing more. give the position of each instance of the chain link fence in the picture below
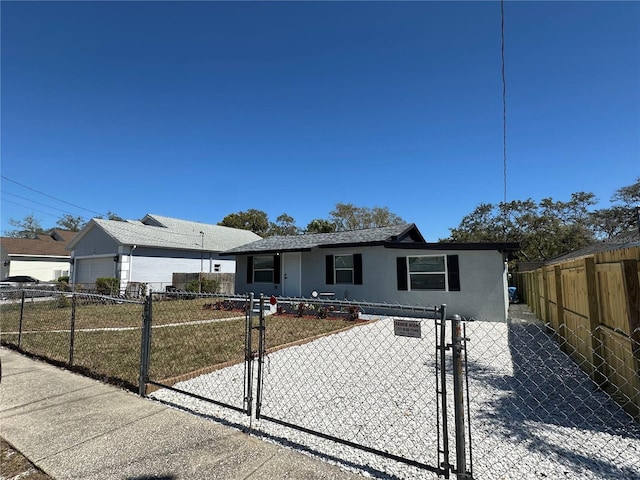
(93, 334)
(533, 407)
(194, 337)
(536, 413)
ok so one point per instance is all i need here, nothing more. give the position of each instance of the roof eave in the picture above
(502, 247)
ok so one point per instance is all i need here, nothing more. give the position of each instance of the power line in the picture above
(33, 201)
(51, 196)
(504, 105)
(30, 208)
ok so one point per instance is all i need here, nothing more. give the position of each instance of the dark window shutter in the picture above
(250, 269)
(276, 269)
(357, 269)
(453, 270)
(329, 269)
(401, 264)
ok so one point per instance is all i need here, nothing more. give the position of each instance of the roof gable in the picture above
(165, 232)
(405, 233)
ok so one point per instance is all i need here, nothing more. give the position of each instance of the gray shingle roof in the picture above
(166, 232)
(623, 240)
(293, 243)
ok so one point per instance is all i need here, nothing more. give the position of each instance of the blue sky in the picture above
(200, 109)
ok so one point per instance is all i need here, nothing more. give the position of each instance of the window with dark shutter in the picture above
(401, 266)
(329, 270)
(453, 273)
(276, 269)
(357, 269)
(250, 269)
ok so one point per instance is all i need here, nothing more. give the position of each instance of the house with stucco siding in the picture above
(43, 257)
(149, 251)
(382, 265)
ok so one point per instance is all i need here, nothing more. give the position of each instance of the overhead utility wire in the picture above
(50, 196)
(33, 201)
(31, 208)
(504, 106)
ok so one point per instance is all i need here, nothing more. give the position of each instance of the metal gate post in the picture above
(248, 357)
(72, 329)
(145, 345)
(441, 369)
(261, 354)
(458, 399)
(21, 317)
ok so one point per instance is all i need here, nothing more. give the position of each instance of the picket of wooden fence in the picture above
(592, 306)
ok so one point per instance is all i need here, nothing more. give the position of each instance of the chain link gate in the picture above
(386, 385)
(227, 380)
(326, 387)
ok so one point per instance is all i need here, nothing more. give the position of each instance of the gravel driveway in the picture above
(534, 413)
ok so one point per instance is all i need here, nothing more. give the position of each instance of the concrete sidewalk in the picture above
(73, 427)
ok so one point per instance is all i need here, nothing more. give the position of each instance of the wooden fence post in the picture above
(598, 359)
(562, 328)
(632, 296)
(545, 298)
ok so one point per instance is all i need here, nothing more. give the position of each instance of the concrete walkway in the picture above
(74, 427)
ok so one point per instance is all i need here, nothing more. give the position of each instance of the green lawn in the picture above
(176, 348)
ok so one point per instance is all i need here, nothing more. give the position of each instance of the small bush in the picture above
(107, 285)
(63, 284)
(206, 285)
(63, 302)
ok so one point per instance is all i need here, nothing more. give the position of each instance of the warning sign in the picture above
(407, 328)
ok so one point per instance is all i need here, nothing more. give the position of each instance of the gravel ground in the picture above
(533, 413)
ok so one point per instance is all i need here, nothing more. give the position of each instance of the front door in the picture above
(291, 274)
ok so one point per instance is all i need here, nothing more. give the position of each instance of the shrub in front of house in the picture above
(63, 284)
(206, 285)
(107, 285)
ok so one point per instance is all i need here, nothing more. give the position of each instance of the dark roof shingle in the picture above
(305, 242)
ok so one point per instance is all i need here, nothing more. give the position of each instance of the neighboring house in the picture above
(43, 257)
(151, 250)
(382, 265)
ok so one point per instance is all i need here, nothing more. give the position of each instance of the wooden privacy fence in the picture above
(592, 305)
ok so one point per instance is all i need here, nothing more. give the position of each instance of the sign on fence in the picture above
(407, 328)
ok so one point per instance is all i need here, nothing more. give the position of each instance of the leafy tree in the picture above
(609, 222)
(28, 227)
(320, 226)
(545, 230)
(254, 220)
(114, 217)
(629, 195)
(284, 225)
(620, 218)
(346, 216)
(71, 223)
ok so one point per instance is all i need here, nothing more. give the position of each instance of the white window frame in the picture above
(343, 269)
(443, 273)
(256, 270)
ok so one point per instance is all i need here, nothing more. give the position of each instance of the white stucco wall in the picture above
(482, 295)
(43, 270)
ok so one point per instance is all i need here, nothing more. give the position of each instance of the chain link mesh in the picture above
(536, 413)
(93, 334)
(544, 399)
(194, 339)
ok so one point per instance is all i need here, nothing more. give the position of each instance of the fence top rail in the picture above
(355, 303)
(106, 298)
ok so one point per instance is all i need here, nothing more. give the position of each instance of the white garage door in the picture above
(88, 269)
